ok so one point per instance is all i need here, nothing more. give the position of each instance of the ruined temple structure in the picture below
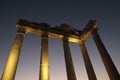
(67, 34)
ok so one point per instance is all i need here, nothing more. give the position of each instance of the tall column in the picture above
(68, 60)
(108, 63)
(12, 61)
(44, 63)
(88, 64)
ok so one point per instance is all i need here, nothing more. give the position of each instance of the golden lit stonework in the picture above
(67, 34)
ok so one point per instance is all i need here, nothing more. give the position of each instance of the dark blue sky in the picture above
(76, 13)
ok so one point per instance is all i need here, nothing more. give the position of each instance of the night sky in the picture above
(76, 13)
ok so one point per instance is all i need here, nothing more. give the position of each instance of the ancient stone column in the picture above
(68, 60)
(44, 63)
(88, 64)
(108, 63)
(12, 61)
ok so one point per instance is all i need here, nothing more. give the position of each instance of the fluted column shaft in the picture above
(68, 60)
(44, 63)
(12, 61)
(88, 64)
(108, 63)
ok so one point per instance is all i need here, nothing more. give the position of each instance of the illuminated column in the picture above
(12, 61)
(109, 65)
(44, 63)
(88, 64)
(68, 60)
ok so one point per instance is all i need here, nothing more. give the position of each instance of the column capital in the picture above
(44, 35)
(94, 32)
(82, 43)
(21, 31)
(65, 38)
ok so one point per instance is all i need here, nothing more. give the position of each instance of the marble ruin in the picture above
(67, 34)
